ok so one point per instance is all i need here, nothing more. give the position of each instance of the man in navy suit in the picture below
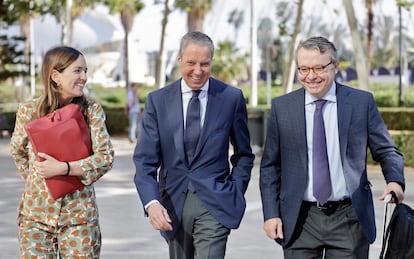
(194, 200)
(342, 225)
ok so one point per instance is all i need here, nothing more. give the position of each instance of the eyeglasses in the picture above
(316, 69)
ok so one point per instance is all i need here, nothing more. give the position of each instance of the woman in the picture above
(66, 227)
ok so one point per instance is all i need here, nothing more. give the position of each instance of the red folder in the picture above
(64, 135)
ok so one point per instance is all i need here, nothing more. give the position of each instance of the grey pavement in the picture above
(126, 233)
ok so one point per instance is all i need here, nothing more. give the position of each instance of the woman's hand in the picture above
(49, 167)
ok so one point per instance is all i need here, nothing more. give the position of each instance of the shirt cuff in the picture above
(149, 203)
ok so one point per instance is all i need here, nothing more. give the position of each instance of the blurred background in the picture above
(136, 41)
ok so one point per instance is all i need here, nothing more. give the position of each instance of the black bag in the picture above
(398, 239)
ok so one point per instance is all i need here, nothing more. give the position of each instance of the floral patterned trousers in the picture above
(77, 241)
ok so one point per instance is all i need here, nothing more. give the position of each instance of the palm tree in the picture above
(236, 18)
(127, 10)
(265, 43)
(370, 22)
(290, 65)
(361, 60)
(196, 10)
(162, 52)
(253, 55)
(23, 12)
(385, 49)
(228, 64)
(74, 9)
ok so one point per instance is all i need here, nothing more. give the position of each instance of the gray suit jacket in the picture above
(284, 165)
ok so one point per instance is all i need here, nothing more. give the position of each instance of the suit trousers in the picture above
(333, 236)
(200, 235)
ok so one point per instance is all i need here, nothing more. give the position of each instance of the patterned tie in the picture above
(321, 177)
(192, 129)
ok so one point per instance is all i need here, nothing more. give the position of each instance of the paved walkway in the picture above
(128, 234)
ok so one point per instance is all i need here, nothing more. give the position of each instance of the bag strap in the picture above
(394, 196)
(386, 230)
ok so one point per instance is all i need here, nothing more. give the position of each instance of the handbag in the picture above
(398, 237)
(64, 135)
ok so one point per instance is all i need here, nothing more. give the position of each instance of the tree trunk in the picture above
(162, 52)
(195, 20)
(360, 58)
(127, 21)
(370, 26)
(126, 60)
(67, 32)
(25, 29)
(290, 65)
(253, 57)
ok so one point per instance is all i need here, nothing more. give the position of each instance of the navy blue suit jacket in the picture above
(284, 165)
(162, 172)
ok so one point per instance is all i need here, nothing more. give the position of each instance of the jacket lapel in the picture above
(297, 106)
(214, 104)
(344, 107)
(174, 104)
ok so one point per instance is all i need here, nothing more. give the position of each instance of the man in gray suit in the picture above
(331, 215)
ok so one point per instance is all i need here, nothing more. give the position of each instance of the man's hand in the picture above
(393, 186)
(159, 217)
(273, 228)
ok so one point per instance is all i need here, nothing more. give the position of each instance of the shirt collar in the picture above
(186, 89)
(329, 96)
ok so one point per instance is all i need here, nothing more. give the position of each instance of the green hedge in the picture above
(405, 143)
(398, 118)
(116, 121)
(400, 122)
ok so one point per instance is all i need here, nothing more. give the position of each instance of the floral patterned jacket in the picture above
(78, 207)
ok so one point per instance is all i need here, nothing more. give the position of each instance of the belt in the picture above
(330, 206)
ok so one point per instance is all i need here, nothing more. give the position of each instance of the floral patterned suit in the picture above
(37, 209)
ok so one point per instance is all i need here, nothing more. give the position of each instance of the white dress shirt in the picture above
(186, 94)
(330, 115)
